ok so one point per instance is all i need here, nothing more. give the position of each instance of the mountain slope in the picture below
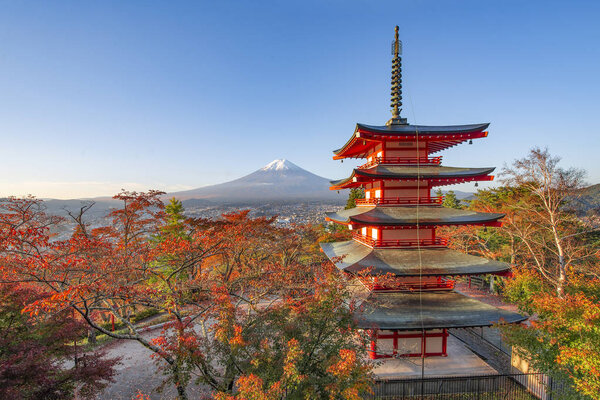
(588, 201)
(280, 180)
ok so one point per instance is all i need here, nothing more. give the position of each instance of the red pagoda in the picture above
(394, 229)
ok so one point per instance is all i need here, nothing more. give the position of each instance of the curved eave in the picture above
(395, 130)
(440, 137)
(406, 216)
(438, 175)
(402, 172)
(429, 310)
(354, 258)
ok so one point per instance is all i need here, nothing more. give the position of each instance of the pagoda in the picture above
(407, 273)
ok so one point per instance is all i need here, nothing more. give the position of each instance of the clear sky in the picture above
(171, 95)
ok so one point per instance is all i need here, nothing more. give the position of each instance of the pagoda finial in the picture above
(396, 82)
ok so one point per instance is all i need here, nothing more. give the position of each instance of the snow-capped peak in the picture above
(280, 165)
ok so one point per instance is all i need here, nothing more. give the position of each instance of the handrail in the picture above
(404, 243)
(448, 284)
(403, 161)
(436, 200)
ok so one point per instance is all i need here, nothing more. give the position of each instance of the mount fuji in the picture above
(280, 180)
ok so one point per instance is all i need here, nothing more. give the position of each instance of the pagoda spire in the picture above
(396, 101)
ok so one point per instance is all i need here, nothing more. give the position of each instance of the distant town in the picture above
(286, 213)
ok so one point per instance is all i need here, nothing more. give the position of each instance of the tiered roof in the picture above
(410, 258)
(403, 216)
(429, 310)
(441, 137)
(354, 258)
(436, 174)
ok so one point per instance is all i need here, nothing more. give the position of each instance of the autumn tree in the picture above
(549, 230)
(540, 230)
(237, 290)
(555, 265)
(39, 355)
(563, 337)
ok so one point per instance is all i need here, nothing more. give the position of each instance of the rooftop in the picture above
(428, 310)
(412, 172)
(407, 216)
(439, 137)
(354, 257)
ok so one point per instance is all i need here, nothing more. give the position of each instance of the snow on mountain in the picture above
(281, 165)
(279, 180)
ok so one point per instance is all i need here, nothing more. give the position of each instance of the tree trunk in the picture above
(512, 250)
(562, 276)
(91, 336)
(181, 393)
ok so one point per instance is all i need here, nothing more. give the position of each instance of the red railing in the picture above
(429, 201)
(403, 161)
(437, 242)
(415, 286)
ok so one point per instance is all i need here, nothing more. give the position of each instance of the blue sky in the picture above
(95, 96)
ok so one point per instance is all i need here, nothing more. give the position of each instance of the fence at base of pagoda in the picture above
(530, 386)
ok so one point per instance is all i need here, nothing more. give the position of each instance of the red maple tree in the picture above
(237, 290)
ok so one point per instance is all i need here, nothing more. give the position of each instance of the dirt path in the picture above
(138, 371)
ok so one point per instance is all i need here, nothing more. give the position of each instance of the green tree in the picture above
(355, 193)
(174, 218)
(451, 201)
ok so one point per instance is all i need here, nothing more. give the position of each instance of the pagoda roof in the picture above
(428, 310)
(410, 172)
(353, 257)
(440, 137)
(407, 129)
(407, 216)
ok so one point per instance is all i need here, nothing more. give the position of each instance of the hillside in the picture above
(278, 181)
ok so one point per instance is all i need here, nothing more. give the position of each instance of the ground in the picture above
(460, 361)
(139, 372)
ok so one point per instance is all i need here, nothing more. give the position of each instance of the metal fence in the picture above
(480, 387)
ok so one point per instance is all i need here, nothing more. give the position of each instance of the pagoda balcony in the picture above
(441, 284)
(403, 161)
(401, 201)
(400, 243)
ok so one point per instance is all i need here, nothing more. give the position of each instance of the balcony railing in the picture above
(403, 161)
(402, 243)
(428, 201)
(415, 286)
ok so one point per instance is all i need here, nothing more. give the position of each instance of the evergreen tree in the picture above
(450, 200)
(175, 219)
(355, 193)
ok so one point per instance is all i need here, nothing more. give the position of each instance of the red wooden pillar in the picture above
(373, 351)
(445, 344)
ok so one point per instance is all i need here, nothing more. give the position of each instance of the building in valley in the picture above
(408, 272)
